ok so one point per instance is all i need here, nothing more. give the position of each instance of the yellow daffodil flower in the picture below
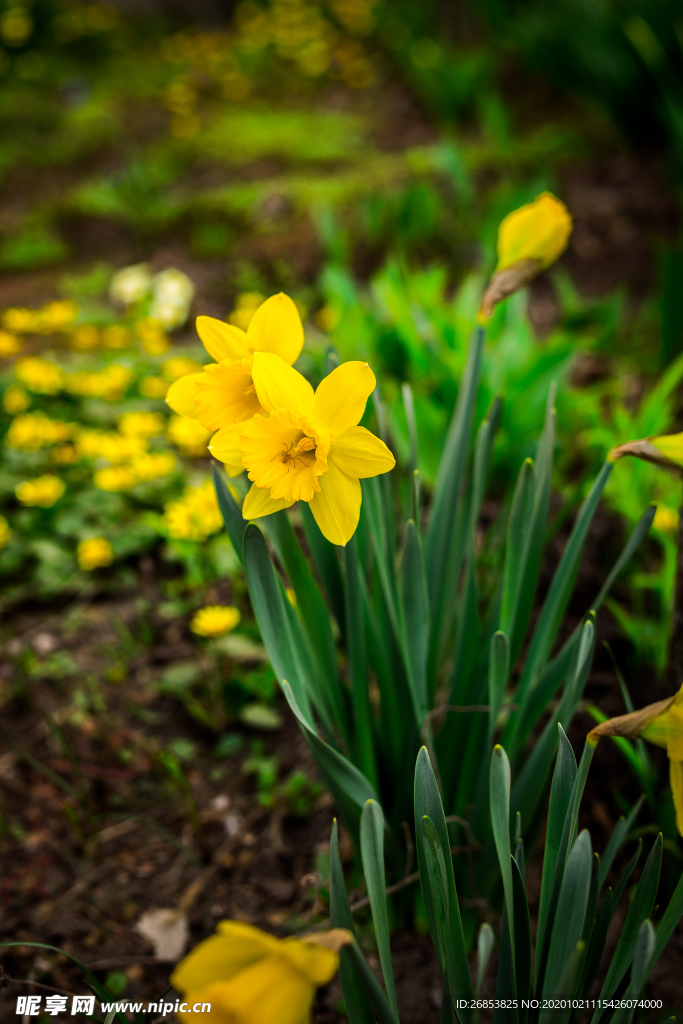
(660, 723)
(529, 240)
(41, 492)
(223, 394)
(250, 977)
(94, 553)
(215, 620)
(665, 450)
(310, 448)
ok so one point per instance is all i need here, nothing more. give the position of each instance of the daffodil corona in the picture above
(250, 977)
(660, 723)
(306, 445)
(223, 395)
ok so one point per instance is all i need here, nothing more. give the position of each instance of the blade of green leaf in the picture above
(486, 938)
(517, 546)
(596, 946)
(500, 823)
(642, 954)
(499, 667)
(230, 511)
(414, 603)
(567, 984)
(358, 665)
(385, 1014)
(522, 930)
(436, 883)
(506, 1008)
(570, 916)
(626, 874)
(670, 919)
(358, 1004)
(618, 836)
(372, 854)
(327, 563)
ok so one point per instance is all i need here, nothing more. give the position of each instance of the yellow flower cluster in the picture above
(5, 532)
(39, 375)
(195, 515)
(189, 435)
(153, 337)
(49, 319)
(109, 384)
(34, 430)
(94, 553)
(215, 620)
(9, 344)
(141, 424)
(41, 492)
(141, 468)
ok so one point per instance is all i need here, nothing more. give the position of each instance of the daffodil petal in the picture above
(280, 386)
(317, 962)
(276, 327)
(258, 503)
(671, 446)
(182, 394)
(225, 394)
(271, 991)
(341, 397)
(676, 776)
(336, 506)
(223, 444)
(536, 231)
(359, 453)
(223, 955)
(221, 340)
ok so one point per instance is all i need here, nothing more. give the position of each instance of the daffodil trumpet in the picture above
(662, 724)
(223, 394)
(529, 240)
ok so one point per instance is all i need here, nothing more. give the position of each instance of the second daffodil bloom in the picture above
(310, 448)
(660, 723)
(665, 450)
(250, 977)
(529, 240)
(223, 394)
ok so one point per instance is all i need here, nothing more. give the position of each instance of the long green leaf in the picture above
(415, 619)
(568, 983)
(500, 823)
(505, 1011)
(358, 664)
(499, 667)
(618, 836)
(596, 945)
(522, 932)
(670, 919)
(571, 913)
(230, 511)
(486, 938)
(620, 887)
(385, 1013)
(640, 909)
(327, 563)
(358, 1004)
(642, 954)
(517, 546)
(436, 880)
(372, 853)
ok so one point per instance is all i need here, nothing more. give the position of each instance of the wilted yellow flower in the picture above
(23, 321)
(116, 336)
(9, 344)
(141, 424)
(215, 620)
(131, 284)
(15, 400)
(85, 337)
(660, 723)
(5, 532)
(39, 375)
(195, 515)
(152, 465)
(153, 387)
(250, 977)
(115, 478)
(34, 430)
(310, 448)
(153, 337)
(172, 296)
(223, 397)
(94, 553)
(529, 240)
(245, 307)
(189, 435)
(179, 366)
(42, 492)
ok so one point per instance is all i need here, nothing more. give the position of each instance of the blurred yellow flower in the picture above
(189, 435)
(245, 307)
(250, 977)
(153, 337)
(327, 318)
(223, 397)
(153, 387)
(529, 240)
(23, 321)
(114, 478)
(107, 444)
(39, 375)
(141, 424)
(195, 515)
(94, 553)
(215, 620)
(152, 466)
(662, 724)
(41, 492)
(666, 519)
(5, 532)
(85, 338)
(178, 367)
(64, 454)
(56, 316)
(34, 430)
(15, 400)
(116, 336)
(9, 344)
(310, 448)
(109, 384)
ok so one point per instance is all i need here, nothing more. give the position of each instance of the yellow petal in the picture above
(359, 453)
(222, 341)
(317, 961)
(336, 506)
(676, 776)
(276, 327)
(280, 386)
(223, 444)
(235, 946)
(671, 446)
(258, 503)
(536, 231)
(226, 395)
(182, 394)
(341, 397)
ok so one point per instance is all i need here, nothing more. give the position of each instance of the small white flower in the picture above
(173, 292)
(131, 284)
